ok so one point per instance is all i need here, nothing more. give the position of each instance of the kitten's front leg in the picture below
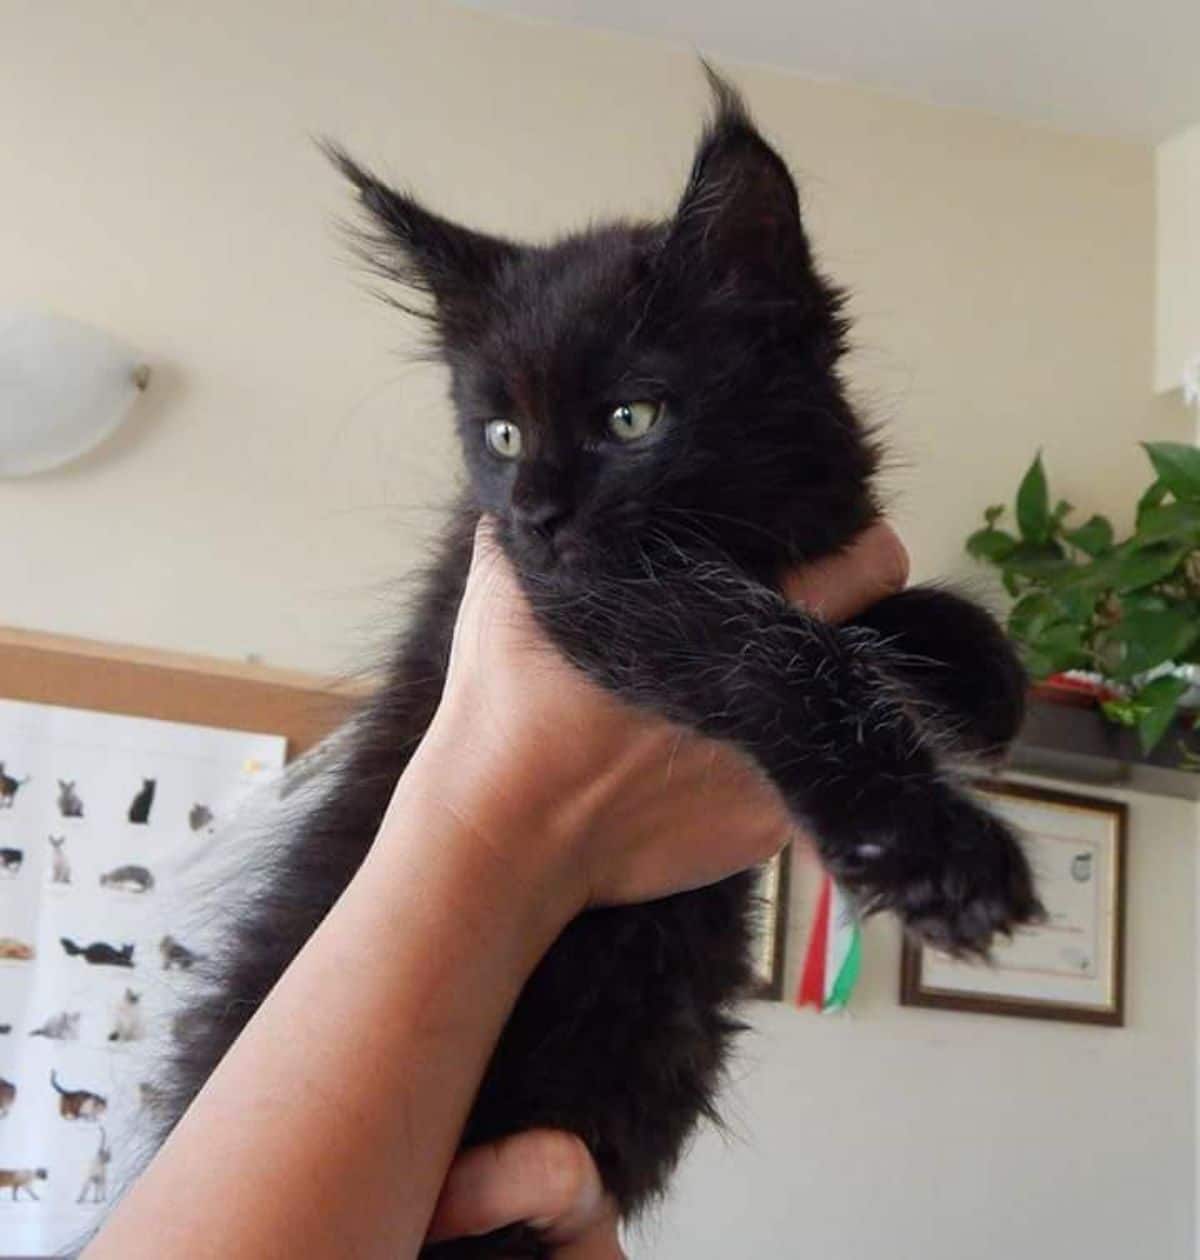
(826, 711)
(955, 656)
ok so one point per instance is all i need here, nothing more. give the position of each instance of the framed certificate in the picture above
(1072, 966)
(770, 942)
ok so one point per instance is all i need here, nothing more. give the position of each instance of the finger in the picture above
(485, 531)
(492, 589)
(544, 1177)
(835, 588)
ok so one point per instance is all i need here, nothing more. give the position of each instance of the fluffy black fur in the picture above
(653, 565)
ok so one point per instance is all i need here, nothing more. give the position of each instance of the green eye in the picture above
(503, 438)
(630, 421)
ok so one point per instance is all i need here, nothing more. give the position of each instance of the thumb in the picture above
(838, 587)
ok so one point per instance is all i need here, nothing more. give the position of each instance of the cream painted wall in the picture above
(1177, 162)
(160, 182)
(917, 1134)
(274, 490)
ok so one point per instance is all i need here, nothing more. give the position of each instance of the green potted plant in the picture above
(1119, 617)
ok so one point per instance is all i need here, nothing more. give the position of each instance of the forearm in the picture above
(328, 1128)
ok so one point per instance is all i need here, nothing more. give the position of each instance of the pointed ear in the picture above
(740, 212)
(408, 245)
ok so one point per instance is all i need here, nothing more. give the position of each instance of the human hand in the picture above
(610, 797)
(542, 1177)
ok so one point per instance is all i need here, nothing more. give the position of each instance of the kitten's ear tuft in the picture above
(729, 106)
(740, 210)
(408, 245)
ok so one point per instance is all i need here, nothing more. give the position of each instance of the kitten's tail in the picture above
(54, 1082)
(70, 946)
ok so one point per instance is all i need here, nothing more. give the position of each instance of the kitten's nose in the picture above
(546, 517)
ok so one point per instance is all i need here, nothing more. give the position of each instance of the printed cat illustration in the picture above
(95, 1184)
(151, 1096)
(135, 879)
(61, 1027)
(9, 788)
(177, 955)
(18, 1179)
(99, 953)
(8, 1096)
(78, 1104)
(69, 804)
(199, 816)
(60, 868)
(127, 1020)
(14, 950)
(139, 810)
(10, 862)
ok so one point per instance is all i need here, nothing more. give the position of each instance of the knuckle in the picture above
(563, 1168)
(896, 565)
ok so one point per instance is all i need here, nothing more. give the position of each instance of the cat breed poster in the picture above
(105, 824)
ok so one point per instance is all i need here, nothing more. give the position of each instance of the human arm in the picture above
(328, 1128)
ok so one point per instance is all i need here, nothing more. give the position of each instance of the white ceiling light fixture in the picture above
(64, 387)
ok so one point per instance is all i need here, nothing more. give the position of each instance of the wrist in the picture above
(514, 837)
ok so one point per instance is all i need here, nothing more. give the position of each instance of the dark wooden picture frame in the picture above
(775, 890)
(914, 991)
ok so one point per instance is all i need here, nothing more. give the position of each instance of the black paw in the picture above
(956, 876)
(956, 657)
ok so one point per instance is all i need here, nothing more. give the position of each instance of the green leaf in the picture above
(1050, 641)
(992, 545)
(1061, 647)
(1159, 700)
(1094, 536)
(1173, 522)
(1126, 568)
(1011, 584)
(1143, 601)
(1077, 605)
(1178, 467)
(1144, 566)
(1151, 498)
(1152, 638)
(1037, 560)
(1121, 711)
(1033, 504)
(992, 514)
(1037, 664)
(1032, 615)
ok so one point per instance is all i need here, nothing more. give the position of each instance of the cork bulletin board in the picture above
(174, 687)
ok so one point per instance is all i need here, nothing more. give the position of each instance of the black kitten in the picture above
(653, 413)
(139, 807)
(9, 787)
(98, 953)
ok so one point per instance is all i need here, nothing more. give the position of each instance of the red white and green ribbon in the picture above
(834, 955)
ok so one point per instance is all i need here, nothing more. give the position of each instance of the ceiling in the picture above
(1107, 67)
